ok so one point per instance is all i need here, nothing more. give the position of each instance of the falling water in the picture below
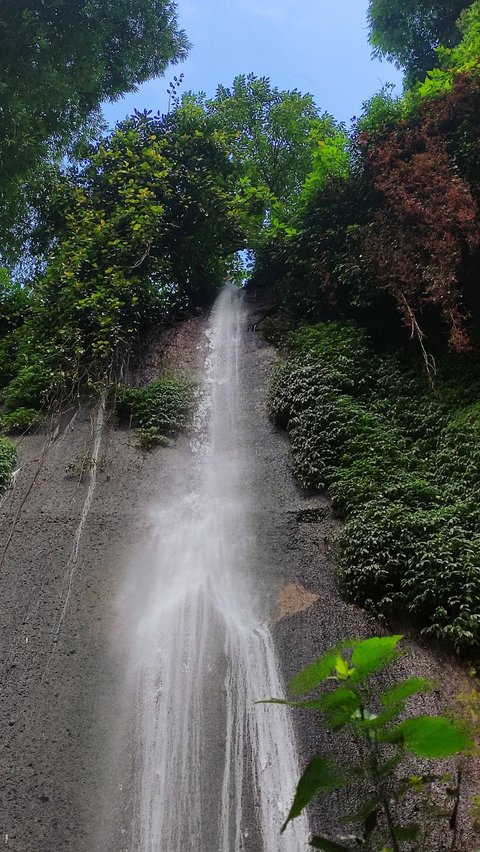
(213, 770)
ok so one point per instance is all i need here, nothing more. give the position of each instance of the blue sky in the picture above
(314, 46)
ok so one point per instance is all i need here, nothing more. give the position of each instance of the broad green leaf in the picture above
(339, 706)
(327, 845)
(429, 736)
(374, 655)
(318, 777)
(399, 693)
(312, 675)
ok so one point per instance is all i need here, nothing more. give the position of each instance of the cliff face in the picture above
(78, 509)
(78, 513)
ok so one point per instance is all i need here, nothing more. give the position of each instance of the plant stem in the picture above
(391, 827)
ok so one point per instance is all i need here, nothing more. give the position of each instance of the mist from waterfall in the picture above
(212, 770)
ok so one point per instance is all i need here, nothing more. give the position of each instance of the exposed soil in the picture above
(59, 675)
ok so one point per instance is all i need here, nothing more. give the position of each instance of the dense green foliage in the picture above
(59, 62)
(277, 140)
(7, 460)
(403, 811)
(391, 240)
(268, 132)
(393, 230)
(399, 238)
(464, 58)
(381, 227)
(20, 420)
(137, 237)
(401, 461)
(409, 31)
(158, 410)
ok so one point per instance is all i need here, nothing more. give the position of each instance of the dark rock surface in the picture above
(59, 676)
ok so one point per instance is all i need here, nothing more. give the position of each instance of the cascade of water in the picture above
(215, 770)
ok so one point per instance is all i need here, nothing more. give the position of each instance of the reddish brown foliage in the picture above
(427, 219)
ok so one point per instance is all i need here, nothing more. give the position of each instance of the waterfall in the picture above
(213, 770)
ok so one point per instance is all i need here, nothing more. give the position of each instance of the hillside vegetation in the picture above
(378, 304)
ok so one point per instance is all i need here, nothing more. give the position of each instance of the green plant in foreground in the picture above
(8, 455)
(384, 737)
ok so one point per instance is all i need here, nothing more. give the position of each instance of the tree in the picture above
(60, 60)
(269, 135)
(407, 32)
(141, 234)
(280, 147)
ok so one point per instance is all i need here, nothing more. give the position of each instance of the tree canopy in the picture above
(59, 61)
(268, 131)
(276, 141)
(407, 32)
(137, 236)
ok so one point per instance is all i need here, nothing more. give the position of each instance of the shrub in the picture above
(33, 386)
(151, 437)
(20, 420)
(8, 455)
(401, 466)
(391, 809)
(160, 408)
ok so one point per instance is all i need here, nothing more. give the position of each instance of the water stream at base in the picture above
(212, 771)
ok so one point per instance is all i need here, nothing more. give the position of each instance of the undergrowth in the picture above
(401, 461)
(8, 456)
(158, 410)
(20, 421)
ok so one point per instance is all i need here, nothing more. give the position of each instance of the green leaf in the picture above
(318, 777)
(399, 693)
(374, 655)
(310, 677)
(339, 706)
(373, 722)
(327, 845)
(341, 667)
(429, 736)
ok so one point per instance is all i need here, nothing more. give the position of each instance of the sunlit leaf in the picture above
(399, 693)
(310, 677)
(341, 667)
(374, 655)
(429, 736)
(339, 706)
